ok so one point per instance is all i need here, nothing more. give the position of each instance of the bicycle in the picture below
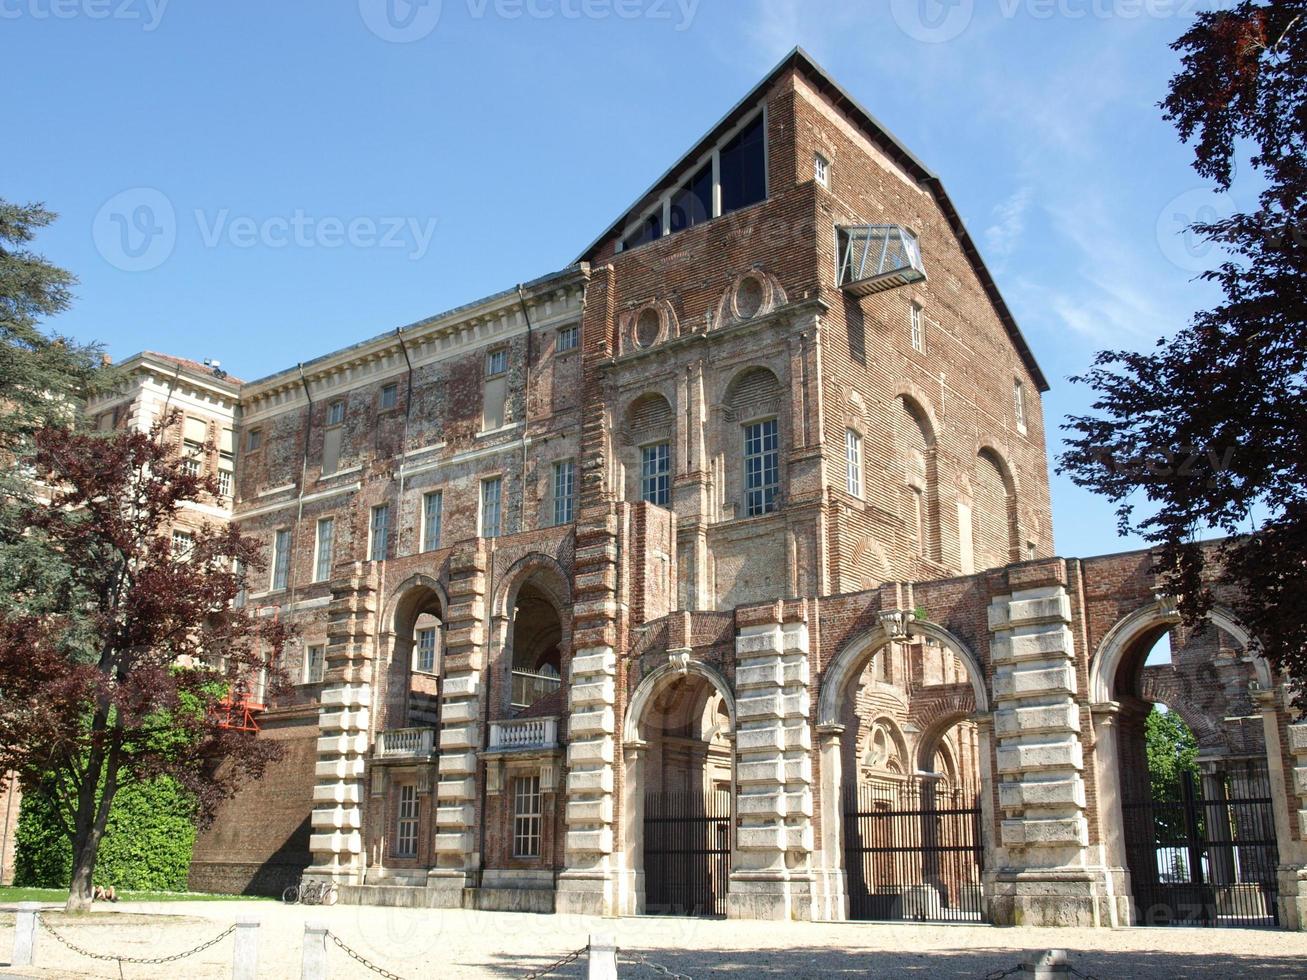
(310, 893)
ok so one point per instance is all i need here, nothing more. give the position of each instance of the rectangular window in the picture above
(226, 442)
(917, 328)
(564, 492)
(656, 474)
(496, 362)
(315, 663)
(490, 502)
(281, 559)
(692, 204)
(336, 412)
(389, 397)
(821, 169)
(1019, 404)
(569, 338)
(762, 467)
(191, 466)
(743, 168)
(242, 587)
(853, 462)
(326, 546)
(225, 483)
(526, 816)
(379, 539)
(406, 826)
(424, 651)
(182, 543)
(433, 508)
(253, 440)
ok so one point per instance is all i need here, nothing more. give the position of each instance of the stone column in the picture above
(457, 846)
(1292, 839)
(344, 719)
(1107, 772)
(771, 869)
(832, 883)
(1045, 878)
(630, 894)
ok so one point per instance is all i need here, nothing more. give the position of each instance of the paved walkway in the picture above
(458, 944)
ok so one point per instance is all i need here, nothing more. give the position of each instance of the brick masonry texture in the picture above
(589, 647)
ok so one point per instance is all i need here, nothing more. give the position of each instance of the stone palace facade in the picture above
(713, 574)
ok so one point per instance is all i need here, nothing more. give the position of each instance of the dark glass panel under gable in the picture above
(744, 168)
(692, 204)
(651, 229)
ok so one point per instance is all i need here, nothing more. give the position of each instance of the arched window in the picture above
(754, 403)
(650, 428)
(994, 512)
(920, 491)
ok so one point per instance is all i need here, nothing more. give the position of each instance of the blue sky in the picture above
(320, 171)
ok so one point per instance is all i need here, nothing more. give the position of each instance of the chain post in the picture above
(602, 961)
(313, 958)
(25, 934)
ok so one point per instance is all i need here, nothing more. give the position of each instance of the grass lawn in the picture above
(8, 895)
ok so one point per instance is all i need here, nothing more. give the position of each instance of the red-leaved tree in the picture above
(129, 671)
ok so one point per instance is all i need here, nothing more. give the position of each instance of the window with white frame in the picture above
(195, 433)
(433, 510)
(1019, 404)
(326, 544)
(379, 539)
(389, 396)
(424, 650)
(917, 327)
(281, 559)
(569, 338)
(406, 823)
(315, 663)
(762, 467)
(496, 362)
(191, 466)
(526, 816)
(564, 492)
(656, 474)
(253, 440)
(182, 543)
(490, 507)
(336, 412)
(853, 462)
(225, 482)
(821, 169)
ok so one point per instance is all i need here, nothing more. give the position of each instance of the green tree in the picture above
(1208, 429)
(1172, 753)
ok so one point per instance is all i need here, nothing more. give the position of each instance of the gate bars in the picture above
(687, 853)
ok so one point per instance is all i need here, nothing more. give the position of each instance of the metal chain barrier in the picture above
(642, 960)
(1082, 976)
(1000, 974)
(359, 957)
(140, 960)
(571, 957)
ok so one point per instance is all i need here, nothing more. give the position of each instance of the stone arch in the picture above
(994, 497)
(1156, 618)
(933, 735)
(894, 734)
(410, 595)
(849, 663)
(752, 391)
(546, 569)
(412, 696)
(659, 678)
(915, 436)
(535, 586)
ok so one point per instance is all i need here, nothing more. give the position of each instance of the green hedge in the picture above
(147, 844)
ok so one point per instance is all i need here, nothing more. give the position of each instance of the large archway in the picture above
(1186, 786)
(678, 740)
(903, 763)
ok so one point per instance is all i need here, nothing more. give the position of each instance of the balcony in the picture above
(520, 734)
(874, 258)
(528, 688)
(405, 743)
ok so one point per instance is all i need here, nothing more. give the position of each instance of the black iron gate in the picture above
(913, 853)
(1204, 853)
(687, 853)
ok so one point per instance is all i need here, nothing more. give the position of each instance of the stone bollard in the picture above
(602, 960)
(25, 934)
(245, 953)
(1047, 964)
(313, 961)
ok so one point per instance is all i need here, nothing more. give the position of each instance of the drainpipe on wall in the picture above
(304, 475)
(526, 400)
(403, 447)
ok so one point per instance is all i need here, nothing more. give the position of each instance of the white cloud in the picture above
(1009, 215)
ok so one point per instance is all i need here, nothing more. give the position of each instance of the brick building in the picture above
(733, 537)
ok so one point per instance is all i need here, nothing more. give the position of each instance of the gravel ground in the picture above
(458, 944)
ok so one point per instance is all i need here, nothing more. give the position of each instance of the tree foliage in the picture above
(1208, 428)
(147, 842)
(1172, 753)
(122, 678)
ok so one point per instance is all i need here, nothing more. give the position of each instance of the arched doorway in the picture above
(1190, 770)
(908, 758)
(679, 740)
